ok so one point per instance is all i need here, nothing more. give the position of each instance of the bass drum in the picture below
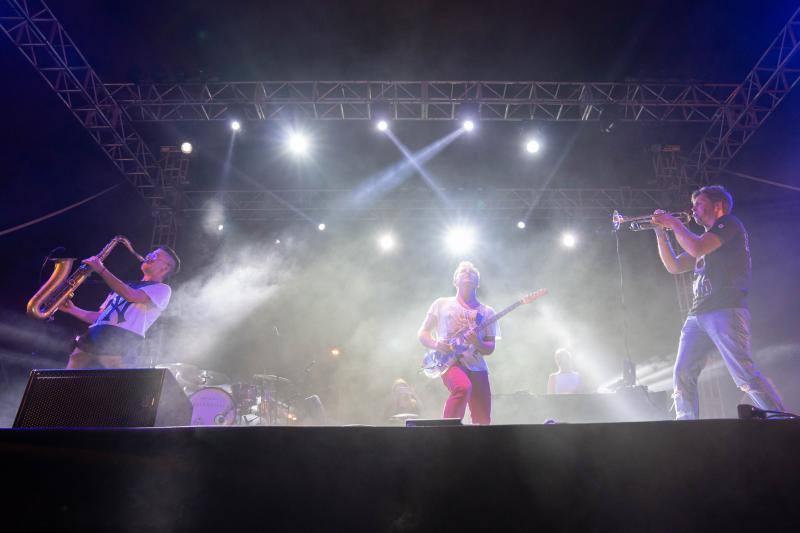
(212, 406)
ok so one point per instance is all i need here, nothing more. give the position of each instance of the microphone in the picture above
(46, 259)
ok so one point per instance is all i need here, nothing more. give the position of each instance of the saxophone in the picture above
(59, 288)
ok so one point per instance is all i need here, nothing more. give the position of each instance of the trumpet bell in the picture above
(616, 220)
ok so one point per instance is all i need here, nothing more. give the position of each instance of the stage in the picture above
(645, 476)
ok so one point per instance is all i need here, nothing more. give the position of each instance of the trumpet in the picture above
(643, 222)
(59, 288)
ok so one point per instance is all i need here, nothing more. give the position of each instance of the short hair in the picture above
(716, 193)
(175, 259)
(466, 265)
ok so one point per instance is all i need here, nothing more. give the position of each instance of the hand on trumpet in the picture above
(664, 220)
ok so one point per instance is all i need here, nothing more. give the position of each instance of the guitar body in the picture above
(435, 363)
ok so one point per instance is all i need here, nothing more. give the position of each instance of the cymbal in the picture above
(187, 374)
(210, 378)
(184, 373)
(270, 378)
(404, 416)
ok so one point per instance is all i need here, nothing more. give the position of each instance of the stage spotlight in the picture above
(386, 242)
(336, 352)
(460, 240)
(382, 125)
(220, 227)
(277, 241)
(236, 125)
(569, 240)
(521, 224)
(298, 143)
(532, 146)
(186, 148)
(468, 125)
(321, 226)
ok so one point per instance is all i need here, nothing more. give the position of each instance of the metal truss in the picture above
(316, 205)
(39, 36)
(174, 169)
(424, 100)
(773, 76)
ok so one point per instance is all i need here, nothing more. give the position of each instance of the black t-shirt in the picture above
(722, 277)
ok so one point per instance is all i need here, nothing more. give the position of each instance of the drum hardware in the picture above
(192, 376)
(265, 400)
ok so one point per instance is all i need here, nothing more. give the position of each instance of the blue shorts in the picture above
(110, 340)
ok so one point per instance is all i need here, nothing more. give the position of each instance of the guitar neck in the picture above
(499, 315)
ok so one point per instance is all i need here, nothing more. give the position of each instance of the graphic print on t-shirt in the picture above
(702, 285)
(135, 317)
(118, 306)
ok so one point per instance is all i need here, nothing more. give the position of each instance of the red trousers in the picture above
(468, 388)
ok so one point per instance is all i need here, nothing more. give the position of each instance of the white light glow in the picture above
(220, 227)
(569, 240)
(386, 242)
(236, 125)
(298, 144)
(321, 226)
(521, 224)
(382, 125)
(532, 146)
(468, 125)
(460, 240)
(186, 148)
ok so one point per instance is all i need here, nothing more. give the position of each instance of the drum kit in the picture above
(264, 400)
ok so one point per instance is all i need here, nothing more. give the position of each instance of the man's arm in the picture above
(674, 263)
(137, 296)
(81, 314)
(427, 340)
(484, 346)
(694, 245)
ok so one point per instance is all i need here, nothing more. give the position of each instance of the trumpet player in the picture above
(719, 317)
(118, 328)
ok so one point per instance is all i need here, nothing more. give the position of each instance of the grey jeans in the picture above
(729, 331)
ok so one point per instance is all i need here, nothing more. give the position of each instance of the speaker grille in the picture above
(91, 398)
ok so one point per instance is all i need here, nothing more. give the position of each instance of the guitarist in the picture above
(467, 381)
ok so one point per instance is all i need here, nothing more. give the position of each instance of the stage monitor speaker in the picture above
(432, 422)
(130, 397)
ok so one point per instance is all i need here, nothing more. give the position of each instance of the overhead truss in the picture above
(424, 100)
(749, 105)
(316, 205)
(39, 36)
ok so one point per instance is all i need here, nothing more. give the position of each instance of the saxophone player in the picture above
(118, 327)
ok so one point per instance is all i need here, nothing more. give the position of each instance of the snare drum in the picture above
(212, 406)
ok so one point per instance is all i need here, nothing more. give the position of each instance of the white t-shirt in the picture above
(452, 318)
(566, 382)
(134, 317)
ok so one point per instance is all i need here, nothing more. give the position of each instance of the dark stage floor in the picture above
(648, 476)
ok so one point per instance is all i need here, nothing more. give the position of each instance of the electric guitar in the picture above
(436, 363)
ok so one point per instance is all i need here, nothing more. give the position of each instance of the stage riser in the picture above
(663, 476)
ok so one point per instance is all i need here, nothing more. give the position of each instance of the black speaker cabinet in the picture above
(130, 397)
